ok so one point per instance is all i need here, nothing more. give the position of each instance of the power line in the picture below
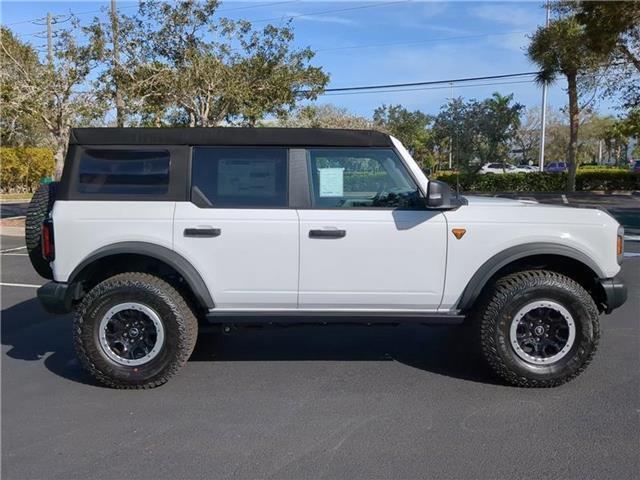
(394, 44)
(89, 12)
(433, 82)
(335, 10)
(426, 88)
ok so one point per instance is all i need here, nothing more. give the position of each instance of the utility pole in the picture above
(50, 39)
(450, 139)
(116, 66)
(543, 119)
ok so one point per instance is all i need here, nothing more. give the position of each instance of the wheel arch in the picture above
(157, 254)
(562, 258)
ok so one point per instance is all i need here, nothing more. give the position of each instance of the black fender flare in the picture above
(158, 252)
(494, 264)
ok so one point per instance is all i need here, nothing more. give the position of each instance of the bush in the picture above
(592, 179)
(22, 168)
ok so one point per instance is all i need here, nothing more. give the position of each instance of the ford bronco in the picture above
(153, 233)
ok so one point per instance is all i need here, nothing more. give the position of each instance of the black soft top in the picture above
(230, 136)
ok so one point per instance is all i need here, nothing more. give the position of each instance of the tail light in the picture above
(620, 244)
(48, 248)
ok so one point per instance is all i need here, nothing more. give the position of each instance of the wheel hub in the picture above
(131, 334)
(542, 332)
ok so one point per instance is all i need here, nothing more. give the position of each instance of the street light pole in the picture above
(543, 119)
(450, 137)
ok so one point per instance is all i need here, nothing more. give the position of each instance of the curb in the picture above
(12, 231)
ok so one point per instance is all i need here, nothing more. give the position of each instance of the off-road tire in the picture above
(39, 208)
(179, 322)
(501, 303)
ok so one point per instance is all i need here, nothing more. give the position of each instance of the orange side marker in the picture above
(459, 232)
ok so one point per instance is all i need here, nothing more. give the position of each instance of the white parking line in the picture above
(631, 254)
(12, 249)
(632, 238)
(14, 254)
(24, 285)
(564, 199)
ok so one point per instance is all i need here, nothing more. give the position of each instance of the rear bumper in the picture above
(615, 293)
(57, 297)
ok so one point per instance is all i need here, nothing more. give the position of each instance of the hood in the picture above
(498, 201)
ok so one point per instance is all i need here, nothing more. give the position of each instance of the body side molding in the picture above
(501, 259)
(163, 254)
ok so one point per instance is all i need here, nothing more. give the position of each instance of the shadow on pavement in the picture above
(32, 335)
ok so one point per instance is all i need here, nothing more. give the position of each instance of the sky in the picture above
(377, 42)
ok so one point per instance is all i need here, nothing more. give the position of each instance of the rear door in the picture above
(238, 230)
(367, 242)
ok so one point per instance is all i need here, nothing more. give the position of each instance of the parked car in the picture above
(152, 234)
(556, 167)
(635, 167)
(528, 168)
(501, 167)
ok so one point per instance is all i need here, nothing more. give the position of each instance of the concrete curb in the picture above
(12, 231)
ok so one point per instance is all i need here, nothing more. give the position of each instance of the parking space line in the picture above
(564, 199)
(24, 285)
(14, 254)
(632, 238)
(631, 254)
(12, 249)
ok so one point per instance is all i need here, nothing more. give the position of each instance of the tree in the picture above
(17, 127)
(563, 48)
(58, 95)
(526, 139)
(498, 120)
(613, 29)
(411, 128)
(182, 65)
(323, 116)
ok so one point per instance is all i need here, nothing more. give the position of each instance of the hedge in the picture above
(586, 180)
(22, 168)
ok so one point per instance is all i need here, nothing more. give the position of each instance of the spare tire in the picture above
(39, 208)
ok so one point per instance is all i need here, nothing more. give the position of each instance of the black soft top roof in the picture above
(231, 136)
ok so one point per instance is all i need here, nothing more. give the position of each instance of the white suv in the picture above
(152, 233)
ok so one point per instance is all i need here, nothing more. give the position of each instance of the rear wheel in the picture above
(134, 330)
(538, 328)
(39, 208)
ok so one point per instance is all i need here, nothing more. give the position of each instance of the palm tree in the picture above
(563, 48)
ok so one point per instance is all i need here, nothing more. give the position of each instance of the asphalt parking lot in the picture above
(312, 402)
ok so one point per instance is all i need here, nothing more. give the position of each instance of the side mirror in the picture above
(438, 195)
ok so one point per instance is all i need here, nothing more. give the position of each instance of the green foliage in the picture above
(22, 168)
(181, 64)
(411, 128)
(586, 180)
(613, 29)
(478, 130)
(323, 116)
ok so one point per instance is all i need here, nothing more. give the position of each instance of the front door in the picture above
(238, 231)
(367, 242)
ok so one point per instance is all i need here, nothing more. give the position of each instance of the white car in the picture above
(152, 234)
(501, 167)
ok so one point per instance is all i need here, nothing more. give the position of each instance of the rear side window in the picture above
(241, 177)
(127, 172)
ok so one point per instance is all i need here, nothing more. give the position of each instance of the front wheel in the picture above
(134, 330)
(538, 328)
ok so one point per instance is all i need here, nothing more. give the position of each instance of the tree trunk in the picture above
(574, 123)
(58, 157)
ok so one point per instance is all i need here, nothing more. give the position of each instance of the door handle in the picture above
(327, 233)
(202, 232)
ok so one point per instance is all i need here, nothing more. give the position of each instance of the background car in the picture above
(502, 167)
(556, 167)
(635, 167)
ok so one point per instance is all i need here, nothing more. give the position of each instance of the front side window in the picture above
(127, 172)
(360, 178)
(241, 177)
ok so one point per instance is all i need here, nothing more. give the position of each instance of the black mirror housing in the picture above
(438, 195)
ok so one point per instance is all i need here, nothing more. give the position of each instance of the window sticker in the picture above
(331, 182)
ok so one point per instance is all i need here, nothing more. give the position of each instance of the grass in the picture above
(15, 196)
